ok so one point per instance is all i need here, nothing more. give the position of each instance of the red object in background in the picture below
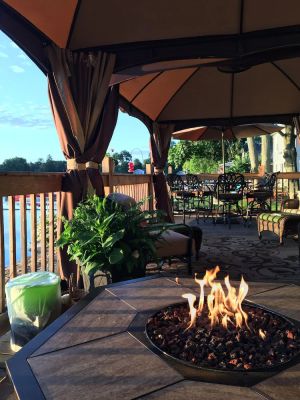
(130, 167)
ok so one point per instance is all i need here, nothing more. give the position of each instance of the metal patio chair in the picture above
(229, 192)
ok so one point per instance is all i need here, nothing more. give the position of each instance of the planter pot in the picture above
(116, 275)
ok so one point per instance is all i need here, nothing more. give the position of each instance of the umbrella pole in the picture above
(223, 152)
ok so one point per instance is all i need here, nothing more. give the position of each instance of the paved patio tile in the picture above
(104, 316)
(150, 294)
(284, 386)
(203, 391)
(285, 300)
(116, 367)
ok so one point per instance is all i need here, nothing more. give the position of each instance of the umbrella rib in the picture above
(145, 86)
(286, 75)
(176, 92)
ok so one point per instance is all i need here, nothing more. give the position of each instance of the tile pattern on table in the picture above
(283, 386)
(203, 391)
(150, 294)
(115, 367)
(285, 300)
(103, 316)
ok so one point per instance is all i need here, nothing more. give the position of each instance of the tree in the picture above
(253, 156)
(20, 164)
(266, 152)
(203, 154)
(121, 161)
(15, 164)
(137, 164)
(289, 155)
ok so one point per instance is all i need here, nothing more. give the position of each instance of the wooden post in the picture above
(149, 171)
(170, 169)
(2, 260)
(108, 167)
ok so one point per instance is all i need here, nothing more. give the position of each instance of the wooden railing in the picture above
(29, 205)
(30, 202)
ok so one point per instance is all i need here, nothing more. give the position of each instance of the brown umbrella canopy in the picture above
(143, 32)
(222, 133)
(209, 95)
(233, 132)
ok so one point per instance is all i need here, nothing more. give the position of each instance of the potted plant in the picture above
(102, 236)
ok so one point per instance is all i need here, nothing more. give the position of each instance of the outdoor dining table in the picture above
(98, 350)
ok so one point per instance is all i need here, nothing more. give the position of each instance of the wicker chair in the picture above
(284, 223)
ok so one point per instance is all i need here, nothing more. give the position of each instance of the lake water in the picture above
(18, 231)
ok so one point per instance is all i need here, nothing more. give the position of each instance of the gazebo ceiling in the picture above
(145, 32)
(92, 23)
(207, 95)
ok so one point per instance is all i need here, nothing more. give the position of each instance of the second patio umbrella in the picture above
(222, 133)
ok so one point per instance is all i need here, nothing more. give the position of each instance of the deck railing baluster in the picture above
(33, 233)
(51, 231)
(23, 224)
(12, 237)
(43, 242)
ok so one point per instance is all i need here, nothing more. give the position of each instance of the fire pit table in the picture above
(99, 350)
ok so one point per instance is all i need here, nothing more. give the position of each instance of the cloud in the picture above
(3, 55)
(17, 69)
(26, 116)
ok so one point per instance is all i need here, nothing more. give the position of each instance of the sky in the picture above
(26, 124)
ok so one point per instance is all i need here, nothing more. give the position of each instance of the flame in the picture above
(193, 311)
(262, 334)
(222, 308)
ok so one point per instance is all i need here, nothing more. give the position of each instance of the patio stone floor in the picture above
(238, 251)
(104, 353)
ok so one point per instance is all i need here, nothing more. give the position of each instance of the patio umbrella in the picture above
(232, 132)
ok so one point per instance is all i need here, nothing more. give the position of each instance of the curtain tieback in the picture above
(158, 170)
(73, 164)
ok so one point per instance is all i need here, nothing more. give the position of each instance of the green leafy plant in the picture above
(104, 236)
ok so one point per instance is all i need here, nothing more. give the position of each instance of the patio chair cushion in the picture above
(172, 244)
(271, 217)
(123, 200)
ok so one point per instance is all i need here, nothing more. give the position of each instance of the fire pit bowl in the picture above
(236, 356)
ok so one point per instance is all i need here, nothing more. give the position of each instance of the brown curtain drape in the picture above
(85, 111)
(160, 139)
